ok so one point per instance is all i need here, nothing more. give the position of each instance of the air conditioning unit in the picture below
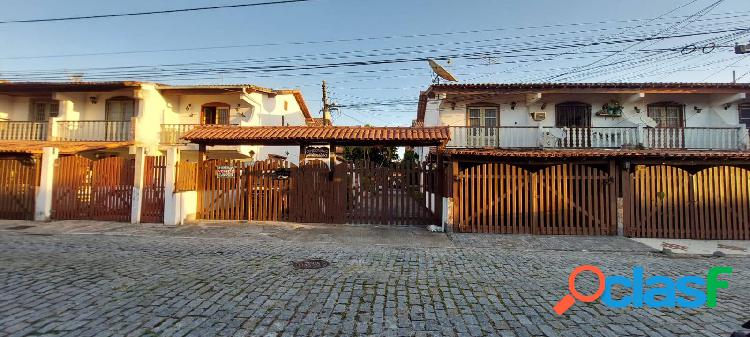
(538, 116)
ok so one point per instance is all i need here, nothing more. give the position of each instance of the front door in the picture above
(483, 122)
(745, 114)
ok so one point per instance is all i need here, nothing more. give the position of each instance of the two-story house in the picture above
(113, 117)
(554, 157)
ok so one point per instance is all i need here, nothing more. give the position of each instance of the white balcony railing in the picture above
(21, 130)
(713, 138)
(171, 133)
(106, 131)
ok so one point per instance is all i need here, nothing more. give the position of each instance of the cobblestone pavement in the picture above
(107, 285)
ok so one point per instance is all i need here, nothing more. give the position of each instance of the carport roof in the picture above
(300, 135)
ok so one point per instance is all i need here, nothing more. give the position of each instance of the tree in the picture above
(377, 154)
(410, 156)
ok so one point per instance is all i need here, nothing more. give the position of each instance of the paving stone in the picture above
(104, 285)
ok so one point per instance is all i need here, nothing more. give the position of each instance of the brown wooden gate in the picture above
(312, 193)
(562, 199)
(98, 190)
(668, 202)
(152, 209)
(18, 182)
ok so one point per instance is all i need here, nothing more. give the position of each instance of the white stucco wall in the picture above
(712, 114)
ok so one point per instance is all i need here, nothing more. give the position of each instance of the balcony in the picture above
(93, 131)
(171, 133)
(21, 130)
(719, 138)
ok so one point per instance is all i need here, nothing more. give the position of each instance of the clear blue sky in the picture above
(383, 94)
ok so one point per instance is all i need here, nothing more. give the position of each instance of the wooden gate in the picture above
(153, 190)
(562, 199)
(98, 190)
(18, 182)
(668, 202)
(312, 193)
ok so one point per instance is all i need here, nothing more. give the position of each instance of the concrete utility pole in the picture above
(326, 107)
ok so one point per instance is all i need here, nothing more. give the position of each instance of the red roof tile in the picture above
(597, 153)
(287, 135)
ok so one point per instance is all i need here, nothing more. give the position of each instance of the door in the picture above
(42, 110)
(118, 112)
(575, 117)
(483, 122)
(669, 131)
(215, 115)
(745, 114)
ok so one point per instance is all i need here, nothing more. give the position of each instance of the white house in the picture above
(150, 115)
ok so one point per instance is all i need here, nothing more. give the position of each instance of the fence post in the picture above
(171, 215)
(43, 204)
(639, 136)
(742, 137)
(540, 135)
(137, 204)
(453, 221)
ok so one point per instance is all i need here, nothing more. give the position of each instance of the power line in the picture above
(168, 11)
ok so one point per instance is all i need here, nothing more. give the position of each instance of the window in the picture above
(573, 115)
(481, 116)
(42, 110)
(666, 115)
(215, 113)
(120, 109)
(745, 114)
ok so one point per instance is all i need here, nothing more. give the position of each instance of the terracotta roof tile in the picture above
(597, 153)
(35, 146)
(216, 135)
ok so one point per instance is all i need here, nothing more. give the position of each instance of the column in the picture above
(137, 201)
(43, 206)
(172, 216)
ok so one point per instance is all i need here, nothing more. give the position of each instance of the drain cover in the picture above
(20, 228)
(310, 264)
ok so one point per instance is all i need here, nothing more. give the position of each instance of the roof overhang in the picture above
(308, 135)
(37, 88)
(36, 147)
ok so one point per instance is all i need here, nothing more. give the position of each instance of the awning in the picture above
(598, 153)
(302, 135)
(35, 146)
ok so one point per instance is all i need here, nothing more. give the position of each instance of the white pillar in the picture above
(172, 216)
(140, 162)
(43, 205)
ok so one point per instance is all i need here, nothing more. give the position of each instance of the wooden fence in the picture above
(98, 190)
(562, 199)
(19, 179)
(152, 209)
(280, 191)
(187, 176)
(668, 202)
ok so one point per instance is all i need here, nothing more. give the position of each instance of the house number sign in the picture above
(316, 152)
(224, 171)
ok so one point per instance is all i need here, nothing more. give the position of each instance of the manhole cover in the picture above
(19, 228)
(310, 264)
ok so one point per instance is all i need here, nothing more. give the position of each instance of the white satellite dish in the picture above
(440, 72)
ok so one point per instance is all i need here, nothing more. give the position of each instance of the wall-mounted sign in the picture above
(316, 152)
(282, 173)
(224, 171)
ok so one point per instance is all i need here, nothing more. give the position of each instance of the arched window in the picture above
(120, 108)
(215, 113)
(573, 115)
(667, 114)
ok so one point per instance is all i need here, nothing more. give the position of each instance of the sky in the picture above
(373, 53)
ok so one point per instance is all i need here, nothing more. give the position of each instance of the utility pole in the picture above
(326, 107)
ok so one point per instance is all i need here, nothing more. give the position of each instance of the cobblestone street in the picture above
(245, 285)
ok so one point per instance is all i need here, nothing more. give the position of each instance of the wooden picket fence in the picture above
(561, 199)
(186, 176)
(19, 179)
(99, 190)
(668, 202)
(152, 209)
(353, 193)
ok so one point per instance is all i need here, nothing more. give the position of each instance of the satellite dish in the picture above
(440, 72)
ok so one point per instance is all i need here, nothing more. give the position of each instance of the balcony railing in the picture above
(171, 133)
(105, 131)
(719, 138)
(13, 130)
